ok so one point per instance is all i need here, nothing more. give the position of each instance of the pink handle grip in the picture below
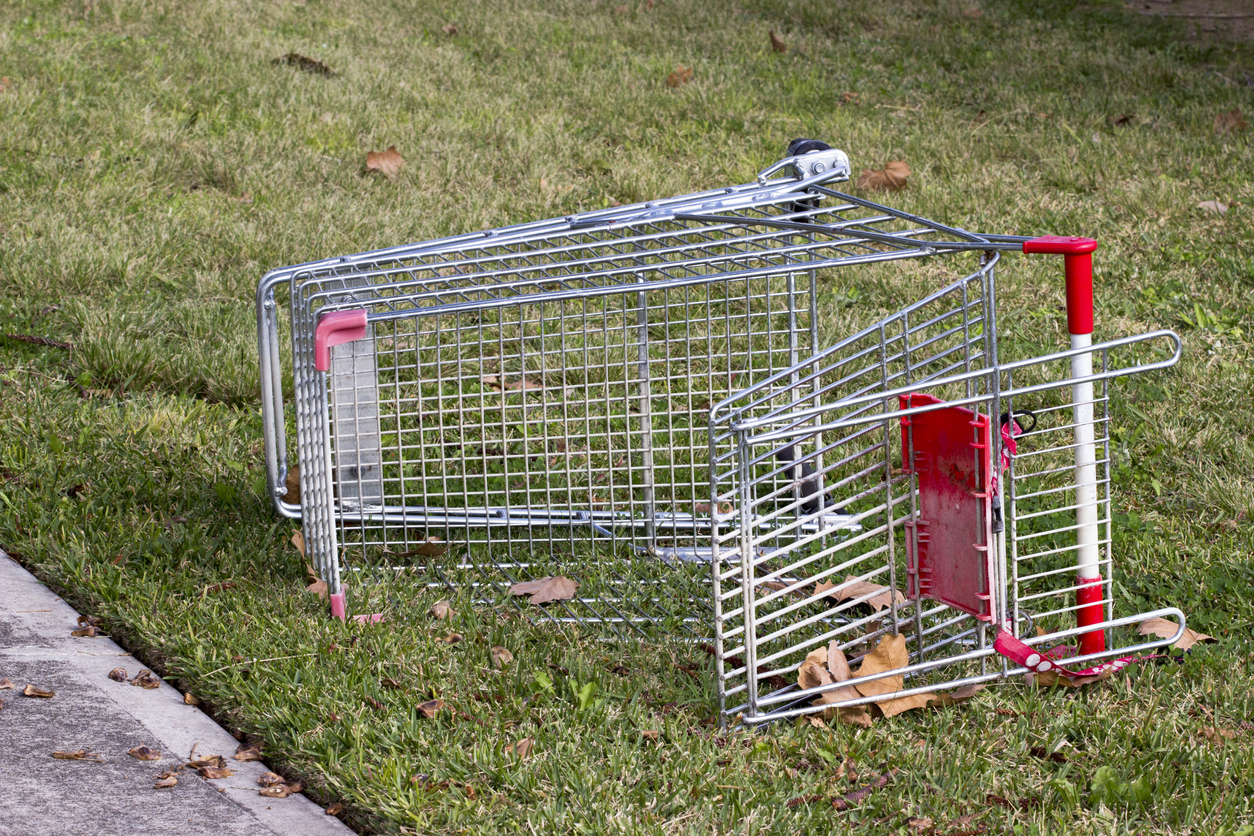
(333, 329)
(1078, 264)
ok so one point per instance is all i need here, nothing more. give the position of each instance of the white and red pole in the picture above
(1078, 264)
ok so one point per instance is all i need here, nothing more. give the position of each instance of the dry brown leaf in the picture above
(526, 383)
(291, 493)
(888, 655)
(165, 780)
(960, 695)
(521, 749)
(1165, 629)
(973, 13)
(554, 588)
(298, 540)
(308, 65)
(881, 596)
(890, 178)
(217, 587)
(270, 779)
(1230, 121)
(897, 705)
(1218, 735)
(118, 674)
(92, 620)
(212, 773)
(78, 755)
(501, 657)
(216, 761)
(777, 43)
(388, 163)
(147, 680)
(144, 753)
(190, 699)
(275, 791)
(1219, 209)
(449, 29)
(430, 708)
(335, 809)
(1055, 677)
(451, 638)
(918, 824)
(88, 632)
(441, 610)
(318, 588)
(34, 691)
(680, 76)
(813, 675)
(650, 734)
(247, 753)
(6, 684)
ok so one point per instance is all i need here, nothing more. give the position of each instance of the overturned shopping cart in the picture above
(658, 402)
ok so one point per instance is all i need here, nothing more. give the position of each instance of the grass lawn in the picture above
(155, 162)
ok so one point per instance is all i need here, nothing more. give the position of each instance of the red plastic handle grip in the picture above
(333, 329)
(1078, 264)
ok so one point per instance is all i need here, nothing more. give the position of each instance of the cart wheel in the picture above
(804, 146)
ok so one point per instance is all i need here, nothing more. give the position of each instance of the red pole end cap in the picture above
(1060, 245)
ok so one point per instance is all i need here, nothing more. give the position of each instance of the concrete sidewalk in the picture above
(43, 796)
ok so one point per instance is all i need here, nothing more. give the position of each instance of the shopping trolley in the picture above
(648, 399)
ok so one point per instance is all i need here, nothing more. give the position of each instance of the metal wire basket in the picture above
(640, 398)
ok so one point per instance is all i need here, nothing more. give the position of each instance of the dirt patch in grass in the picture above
(1204, 20)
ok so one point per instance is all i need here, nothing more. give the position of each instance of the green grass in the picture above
(154, 163)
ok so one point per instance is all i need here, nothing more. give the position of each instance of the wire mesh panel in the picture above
(639, 398)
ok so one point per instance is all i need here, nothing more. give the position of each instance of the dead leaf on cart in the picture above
(1165, 629)
(388, 163)
(881, 596)
(553, 588)
(890, 178)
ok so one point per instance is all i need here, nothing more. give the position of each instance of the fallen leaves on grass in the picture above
(961, 695)
(1230, 121)
(318, 586)
(431, 547)
(1218, 735)
(777, 43)
(1219, 209)
(147, 680)
(1123, 120)
(298, 540)
(499, 384)
(680, 76)
(35, 691)
(335, 809)
(449, 29)
(1045, 755)
(441, 610)
(1165, 629)
(880, 596)
(304, 64)
(918, 824)
(889, 654)
(217, 587)
(898, 705)
(144, 753)
(430, 708)
(542, 590)
(521, 749)
(451, 638)
(838, 670)
(891, 178)
(501, 657)
(388, 163)
(78, 755)
(166, 780)
(118, 674)
(1056, 677)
